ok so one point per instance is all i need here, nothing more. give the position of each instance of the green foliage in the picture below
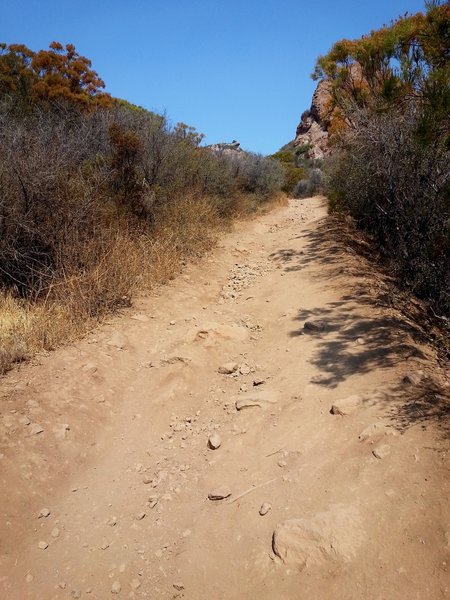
(391, 90)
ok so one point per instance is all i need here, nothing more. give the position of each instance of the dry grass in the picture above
(117, 264)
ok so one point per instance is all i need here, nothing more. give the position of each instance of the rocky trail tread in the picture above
(255, 429)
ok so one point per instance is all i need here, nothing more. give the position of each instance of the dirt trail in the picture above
(110, 435)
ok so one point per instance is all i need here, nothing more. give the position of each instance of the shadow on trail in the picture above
(353, 343)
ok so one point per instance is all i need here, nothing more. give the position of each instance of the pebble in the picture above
(345, 406)
(112, 521)
(29, 578)
(413, 377)
(118, 340)
(257, 382)
(44, 512)
(172, 323)
(42, 545)
(55, 532)
(178, 586)
(244, 369)
(135, 584)
(381, 451)
(220, 493)
(75, 594)
(282, 463)
(314, 326)
(139, 516)
(265, 507)
(116, 588)
(214, 441)
(153, 501)
(104, 545)
(228, 368)
(35, 428)
(375, 429)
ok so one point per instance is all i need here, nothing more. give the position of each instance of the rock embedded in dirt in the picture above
(42, 545)
(345, 406)
(135, 584)
(334, 535)
(228, 368)
(35, 428)
(214, 441)
(220, 493)
(244, 369)
(381, 451)
(118, 340)
(29, 578)
(259, 399)
(258, 381)
(178, 586)
(140, 515)
(55, 532)
(44, 512)
(265, 507)
(413, 377)
(374, 430)
(116, 588)
(314, 326)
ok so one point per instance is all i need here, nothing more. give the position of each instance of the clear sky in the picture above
(234, 69)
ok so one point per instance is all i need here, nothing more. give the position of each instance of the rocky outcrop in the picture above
(312, 131)
(226, 147)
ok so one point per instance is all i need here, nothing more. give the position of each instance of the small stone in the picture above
(140, 515)
(314, 326)
(61, 430)
(244, 369)
(104, 545)
(90, 367)
(413, 377)
(62, 585)
(147, 480)
(373, 430)
(265, 507)
(116, 588)
(42, 545)
(214, 441)
(135, 584)
(282, 463)
(44, 512)
(153, 501)
(257, 382)
(381, 451)
(187, 533)
(345, 406)
(112, 521)
(178, 586)
(75, 594)
(258, 399)
(35, 429)
(55, 532)
(220, 493)
(118, 340)
(172, 323)
(29, 578)
(228, 368)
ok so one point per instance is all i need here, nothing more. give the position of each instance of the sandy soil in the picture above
(105, 464)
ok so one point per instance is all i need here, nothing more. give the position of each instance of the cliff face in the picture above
(313, 127)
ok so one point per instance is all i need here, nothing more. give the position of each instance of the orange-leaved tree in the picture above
(56, 74)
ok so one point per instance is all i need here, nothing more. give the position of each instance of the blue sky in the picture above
(234, 69)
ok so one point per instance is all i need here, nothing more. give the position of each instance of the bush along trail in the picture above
(267, 425)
